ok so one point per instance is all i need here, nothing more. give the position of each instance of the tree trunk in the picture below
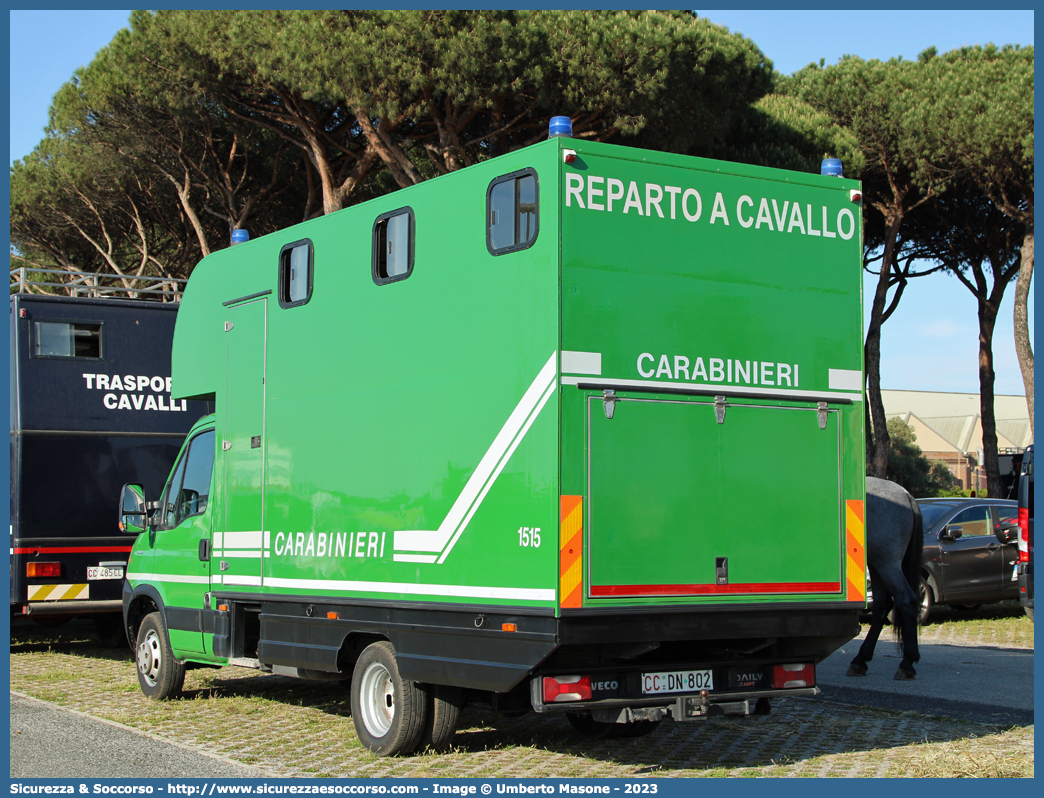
(877, 442)
(1023, 346)
(987, 322)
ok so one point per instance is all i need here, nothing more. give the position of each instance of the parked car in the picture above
(970, 552)
(1025, 566)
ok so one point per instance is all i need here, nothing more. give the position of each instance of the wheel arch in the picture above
(144, 599)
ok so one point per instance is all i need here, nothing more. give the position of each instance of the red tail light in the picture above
(39, 569)
(566, 688)
(1023, 534)
(800, 675)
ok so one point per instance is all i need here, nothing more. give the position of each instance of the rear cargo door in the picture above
(240, 546)
(688, 498)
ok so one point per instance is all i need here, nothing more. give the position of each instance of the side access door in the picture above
(696, 498)
(239, 546)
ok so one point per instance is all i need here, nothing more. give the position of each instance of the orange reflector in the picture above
(222, 608)
(38, 569)
(332, 616)
(571, 543)
(508, 627)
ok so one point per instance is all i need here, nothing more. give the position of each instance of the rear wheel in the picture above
(582, 722)
(444, 707)
(109, 628)
(389, 712)
(639, 728)
(159, 674)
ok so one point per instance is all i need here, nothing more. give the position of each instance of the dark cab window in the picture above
(512, 212)
(189, 489)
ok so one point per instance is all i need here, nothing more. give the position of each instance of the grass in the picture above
(1003, 759)
(1004, 625)
(294, 727)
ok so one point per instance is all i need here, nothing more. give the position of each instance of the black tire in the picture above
(444, 707)
(51, 620)
(927, 602)
(582, 722)
(639, 728)
(390, 713)
(110, 630)
(160, 676)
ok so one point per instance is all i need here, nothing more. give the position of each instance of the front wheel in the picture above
(927, 601)
(159, 674)
(389, 712)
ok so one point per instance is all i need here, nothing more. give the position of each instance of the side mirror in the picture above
(951, 532)
(1008, 533)
(133, 516)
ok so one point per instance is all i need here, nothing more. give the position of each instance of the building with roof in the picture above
(949, 428)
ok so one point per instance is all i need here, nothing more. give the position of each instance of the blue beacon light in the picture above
(560, 126)
(240, 236)
(832, 167)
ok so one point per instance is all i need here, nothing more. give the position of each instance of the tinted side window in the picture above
(195, 489)
(188, 491)
(974, 521)
(512, 212)
(394, 236)
(168, 505)
(295, 273)
(66, 339)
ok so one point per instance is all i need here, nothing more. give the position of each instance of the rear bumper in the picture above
(71, 607)
(678, 706)
(1025, 572)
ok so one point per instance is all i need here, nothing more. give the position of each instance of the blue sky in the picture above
(930, 343)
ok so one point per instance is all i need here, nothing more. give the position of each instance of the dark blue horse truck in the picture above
(90, 410)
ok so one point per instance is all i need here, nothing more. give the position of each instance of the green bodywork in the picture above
(402, 442)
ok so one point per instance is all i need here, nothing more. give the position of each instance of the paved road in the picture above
(983, 684)
(93, 748)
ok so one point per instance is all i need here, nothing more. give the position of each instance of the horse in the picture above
(894, 544)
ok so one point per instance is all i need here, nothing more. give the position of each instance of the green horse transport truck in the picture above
(577, 429)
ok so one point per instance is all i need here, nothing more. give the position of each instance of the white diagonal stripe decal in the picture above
(492, 463)
(500, 467)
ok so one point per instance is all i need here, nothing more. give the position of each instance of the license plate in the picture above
(676, 682)
(96, 573)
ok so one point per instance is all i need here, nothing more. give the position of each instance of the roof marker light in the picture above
(560, 126)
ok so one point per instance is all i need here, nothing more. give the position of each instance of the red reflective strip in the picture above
(699, 590)
(72, 549)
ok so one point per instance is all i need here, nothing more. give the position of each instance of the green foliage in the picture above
(908, 466)
(786, 132)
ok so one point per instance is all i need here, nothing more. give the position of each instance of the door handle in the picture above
(204, 550)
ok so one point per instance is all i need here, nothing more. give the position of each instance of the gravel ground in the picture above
(294, 728)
